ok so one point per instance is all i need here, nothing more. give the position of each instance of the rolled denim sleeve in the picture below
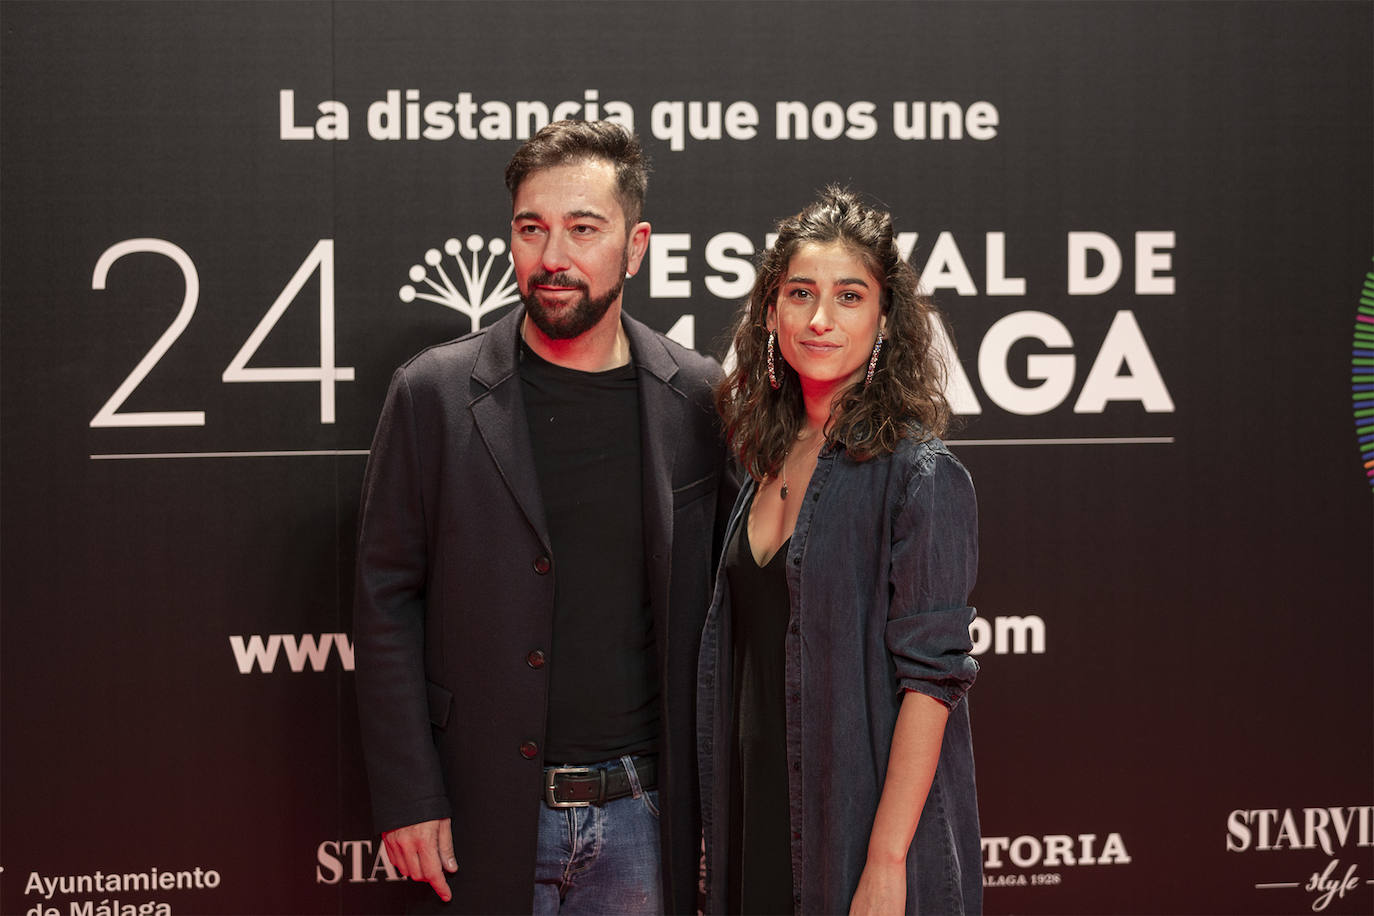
(934, 562)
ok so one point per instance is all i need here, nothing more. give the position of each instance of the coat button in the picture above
(542, 565)
(535, 659)
(529, 750)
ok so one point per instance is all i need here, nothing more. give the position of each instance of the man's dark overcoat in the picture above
(455, 590)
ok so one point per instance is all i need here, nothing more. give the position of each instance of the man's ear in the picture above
(638, 244)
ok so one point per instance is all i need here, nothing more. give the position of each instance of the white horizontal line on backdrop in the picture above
(1120, 440)
(337, 452)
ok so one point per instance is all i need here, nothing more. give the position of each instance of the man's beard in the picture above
(579, 316)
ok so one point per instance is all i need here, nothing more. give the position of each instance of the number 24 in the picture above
(321, 258)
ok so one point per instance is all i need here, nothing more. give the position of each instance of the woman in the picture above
(836, 761)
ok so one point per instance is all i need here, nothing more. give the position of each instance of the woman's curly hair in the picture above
(906, 397)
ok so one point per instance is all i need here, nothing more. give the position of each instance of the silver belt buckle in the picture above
(551, 772)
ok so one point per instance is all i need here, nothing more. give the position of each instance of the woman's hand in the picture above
(910, 768)
(881, 891)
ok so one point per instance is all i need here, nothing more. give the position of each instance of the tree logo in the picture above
(473, 300)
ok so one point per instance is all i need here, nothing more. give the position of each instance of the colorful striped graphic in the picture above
(1362, 376)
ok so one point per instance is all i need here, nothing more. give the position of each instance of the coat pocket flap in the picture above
(690, 492)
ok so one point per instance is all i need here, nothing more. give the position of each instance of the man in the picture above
(537, 537)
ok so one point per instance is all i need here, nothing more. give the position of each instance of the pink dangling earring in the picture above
(772, 375)
(873, 360)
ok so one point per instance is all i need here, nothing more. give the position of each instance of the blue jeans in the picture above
(600, 860)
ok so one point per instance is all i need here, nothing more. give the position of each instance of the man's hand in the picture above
(423, 852)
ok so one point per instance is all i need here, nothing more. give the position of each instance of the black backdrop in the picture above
(1176, 710)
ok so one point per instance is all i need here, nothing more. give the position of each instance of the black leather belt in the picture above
(579, 787)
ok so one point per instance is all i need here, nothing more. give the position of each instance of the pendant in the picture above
(783, 492)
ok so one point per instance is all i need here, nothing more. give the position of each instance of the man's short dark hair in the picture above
(568, 142)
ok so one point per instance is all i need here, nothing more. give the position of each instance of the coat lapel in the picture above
(498, 411)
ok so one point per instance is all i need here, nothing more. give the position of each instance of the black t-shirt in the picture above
(603, 673)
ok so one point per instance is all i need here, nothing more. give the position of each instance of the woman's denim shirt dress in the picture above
(879, 569)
